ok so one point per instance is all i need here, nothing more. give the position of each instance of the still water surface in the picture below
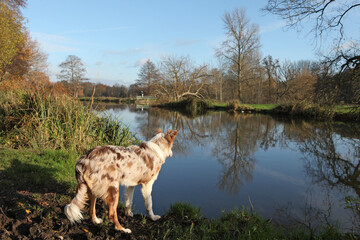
(287, 170)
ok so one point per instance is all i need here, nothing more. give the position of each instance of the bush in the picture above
(42, 120)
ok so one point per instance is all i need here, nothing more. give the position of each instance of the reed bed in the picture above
(42, 120)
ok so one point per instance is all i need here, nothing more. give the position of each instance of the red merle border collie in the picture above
(100, 172)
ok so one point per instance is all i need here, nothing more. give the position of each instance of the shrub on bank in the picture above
(43, 120)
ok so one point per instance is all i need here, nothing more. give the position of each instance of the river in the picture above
(289, 170)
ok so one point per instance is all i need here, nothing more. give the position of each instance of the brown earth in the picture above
(31, 212)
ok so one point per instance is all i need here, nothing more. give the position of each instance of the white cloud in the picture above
(141, 62)
(52, 43)
(349, 45)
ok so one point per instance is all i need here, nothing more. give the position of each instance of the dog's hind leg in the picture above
(146, 192)
(92, 209)
(129, 194)
(112, 201)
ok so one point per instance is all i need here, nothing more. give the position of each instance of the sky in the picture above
(114, 38)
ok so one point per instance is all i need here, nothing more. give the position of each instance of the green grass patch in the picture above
(263, 106)
(185, 211)
(51, 169)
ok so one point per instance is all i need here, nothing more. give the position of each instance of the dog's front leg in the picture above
(146, 192)
(129, 194)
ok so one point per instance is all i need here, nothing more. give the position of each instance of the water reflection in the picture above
(318, 162)
(234, 151)
(333, 161)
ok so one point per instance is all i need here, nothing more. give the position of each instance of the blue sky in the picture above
(114, 37)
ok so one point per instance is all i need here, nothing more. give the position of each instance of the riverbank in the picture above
(304, 110)
(37, 184)
(106, 100)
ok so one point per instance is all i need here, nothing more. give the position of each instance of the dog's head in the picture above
(165, 140)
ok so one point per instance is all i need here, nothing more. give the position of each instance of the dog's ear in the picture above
(170, 135)
(159, 130)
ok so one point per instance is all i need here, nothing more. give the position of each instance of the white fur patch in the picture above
(73, 213)
(157, 149)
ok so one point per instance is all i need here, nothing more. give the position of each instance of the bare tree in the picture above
(148, 74)
(271, 67)
(72, 72)
(180, 78)
(325, 16)
(296, 82)
(241, 45)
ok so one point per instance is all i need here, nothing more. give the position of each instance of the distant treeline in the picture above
(240, 72)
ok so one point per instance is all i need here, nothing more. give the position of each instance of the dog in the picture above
(101, 170)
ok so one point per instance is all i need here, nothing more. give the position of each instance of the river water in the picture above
(289, 170)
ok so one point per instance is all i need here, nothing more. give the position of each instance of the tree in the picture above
(180, 78)
(271, 67)
(325, 16)
(14, 4)
(27, 68)
(72, 72)
(12, 36)
(296, 83)
(241, 46)
(148, 74)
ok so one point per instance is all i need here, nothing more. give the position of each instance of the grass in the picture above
(185, 211)
(263, 106)
(42, 168)
(236, 224)
(40, 120)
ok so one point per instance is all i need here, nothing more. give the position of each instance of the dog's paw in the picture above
(97, 220)
(155, 217)
(126, 230)
(129, 214)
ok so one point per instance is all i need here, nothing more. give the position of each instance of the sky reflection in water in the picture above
(285, 169)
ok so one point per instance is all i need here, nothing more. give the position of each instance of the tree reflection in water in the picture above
(234, 151)
(331, 152)
(334, 163)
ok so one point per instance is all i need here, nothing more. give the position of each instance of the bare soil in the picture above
(32, 212)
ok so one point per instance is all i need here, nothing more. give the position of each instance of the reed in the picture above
(42, 120)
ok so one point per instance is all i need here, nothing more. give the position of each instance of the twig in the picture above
(4, 213)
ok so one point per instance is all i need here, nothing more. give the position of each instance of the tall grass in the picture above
(42, 120)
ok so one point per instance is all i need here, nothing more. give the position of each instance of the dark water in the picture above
(287, 170)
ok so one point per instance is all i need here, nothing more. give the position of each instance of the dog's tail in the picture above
(73, 209)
